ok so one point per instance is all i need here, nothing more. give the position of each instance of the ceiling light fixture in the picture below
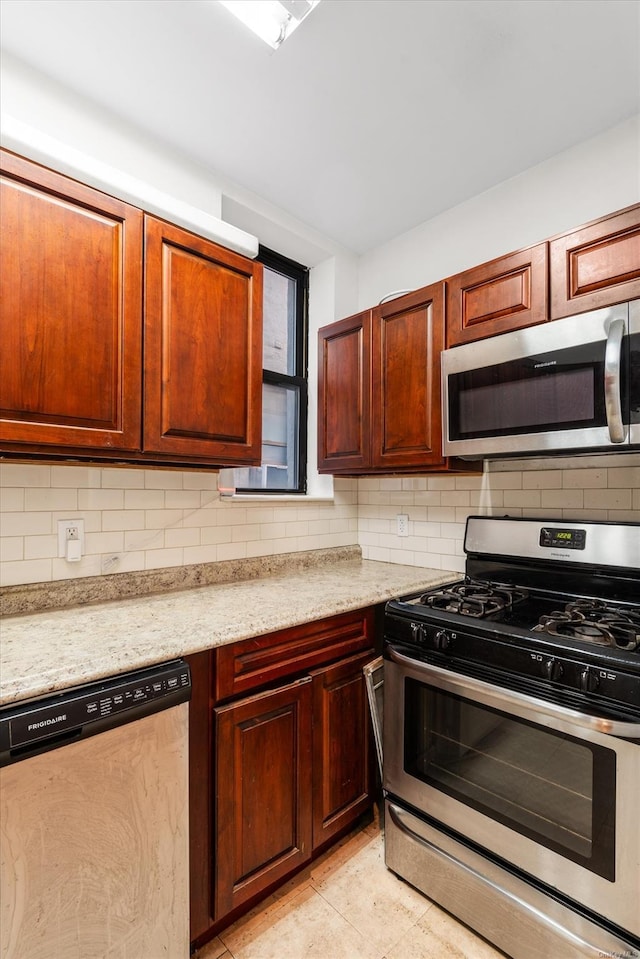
(272, 20)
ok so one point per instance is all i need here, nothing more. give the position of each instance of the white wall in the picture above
(592, 179)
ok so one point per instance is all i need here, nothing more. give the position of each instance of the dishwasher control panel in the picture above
(70, 715)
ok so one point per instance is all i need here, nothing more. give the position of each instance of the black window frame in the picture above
(299, 380)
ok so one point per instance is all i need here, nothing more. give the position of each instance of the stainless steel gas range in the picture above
(512, 738)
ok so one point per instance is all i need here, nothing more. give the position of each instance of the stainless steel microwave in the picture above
(571, 384)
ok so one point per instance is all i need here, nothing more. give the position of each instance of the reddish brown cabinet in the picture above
(280, 758)
(597, 265)
(70, 361)
(89, 285)
(379, 405)
(505, 294)
(344, 395)
(203, 349)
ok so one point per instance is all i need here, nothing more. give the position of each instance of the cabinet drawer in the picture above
(253, 663)
(596, 266)
(506, 294)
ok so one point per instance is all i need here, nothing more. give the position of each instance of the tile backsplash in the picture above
(136, 519)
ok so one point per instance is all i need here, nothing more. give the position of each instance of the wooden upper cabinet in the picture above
(506, 294)
(70, 332)
(344, 385)
(203, 348)
(407, 339)
(597, 265)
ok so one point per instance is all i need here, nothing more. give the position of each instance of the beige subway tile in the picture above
(162, 558)
(100, 499)
(40, 499)
(128, 562)
(510, 480)
(24, 475)
(447, 547)
(542, 479)
(585, 514)
(608, 499)
(297, 528)
(142, 539)
(279, 530)
(260, 515)
(527, 499)
(228, 551)
(636, 500)
(11, 548)
(378, 553)
(182, 499)
(181, 537)
(441, 514)
(414, 483)
(584, 478)
(469, 482)
(112, 542)
(401, 557)
(200, 554)
(441, 482)
(427, 498)
(119, 478)
(11, 499)
(162, 518)
(457, 498)
(25, 571)
(75, 477)
(623, 516)
(202, 480)
(624, 477)
(40, 547)
(562, 499)
(26, 524)
(213, 535)
(453, 530)
(137, 499)
(391, 483)
(121, 519)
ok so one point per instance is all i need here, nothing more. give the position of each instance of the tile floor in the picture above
(347, 905)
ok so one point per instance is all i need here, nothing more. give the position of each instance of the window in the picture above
(284, 381)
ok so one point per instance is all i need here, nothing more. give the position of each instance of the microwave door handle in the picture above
(612, 365)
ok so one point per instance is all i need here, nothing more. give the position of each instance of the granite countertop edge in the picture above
(54, 650)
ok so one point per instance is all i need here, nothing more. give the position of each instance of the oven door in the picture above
(546, 789)
(562, 385)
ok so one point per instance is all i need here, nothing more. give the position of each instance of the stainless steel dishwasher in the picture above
(94, 820)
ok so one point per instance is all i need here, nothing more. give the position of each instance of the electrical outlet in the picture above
(402, 520)
(70, 531)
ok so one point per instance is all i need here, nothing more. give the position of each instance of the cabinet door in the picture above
(506, 294)
(342, 767)
(71, 326)
(407, 340)
(596, 266)
(203, 349)
(263, 792)
(344, 395)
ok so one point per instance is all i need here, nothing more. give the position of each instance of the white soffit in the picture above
(42, 148)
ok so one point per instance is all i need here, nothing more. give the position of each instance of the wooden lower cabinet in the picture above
(281, 759)
(263, 792)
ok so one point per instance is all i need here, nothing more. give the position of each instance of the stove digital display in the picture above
(552, 537)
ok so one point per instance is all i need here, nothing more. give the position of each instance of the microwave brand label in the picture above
(538, 366)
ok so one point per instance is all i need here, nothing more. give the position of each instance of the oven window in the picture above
(552, 788)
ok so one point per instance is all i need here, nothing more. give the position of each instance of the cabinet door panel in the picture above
(596, 266)
(263, 790)
(506, 294)
(342, 768)
(71, 327)
(407, 340)
(203, 348)
(344, 394)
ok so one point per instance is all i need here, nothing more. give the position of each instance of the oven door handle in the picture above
(612, 364)
(499, 697)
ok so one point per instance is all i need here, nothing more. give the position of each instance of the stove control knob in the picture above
(553, 670)
(442, 640)
(589, 680)
(417, 631)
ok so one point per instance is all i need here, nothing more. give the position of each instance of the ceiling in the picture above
(374, 116)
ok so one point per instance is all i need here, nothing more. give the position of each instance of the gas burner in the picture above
(594, 622)
(474, 599)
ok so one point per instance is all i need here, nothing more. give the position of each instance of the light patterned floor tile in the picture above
(306, 927)
(371, 898)
(437, 935)
(215, 949)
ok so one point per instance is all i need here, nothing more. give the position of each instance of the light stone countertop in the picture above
(49, 651)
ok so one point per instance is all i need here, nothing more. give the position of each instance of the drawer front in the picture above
(255, 663)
